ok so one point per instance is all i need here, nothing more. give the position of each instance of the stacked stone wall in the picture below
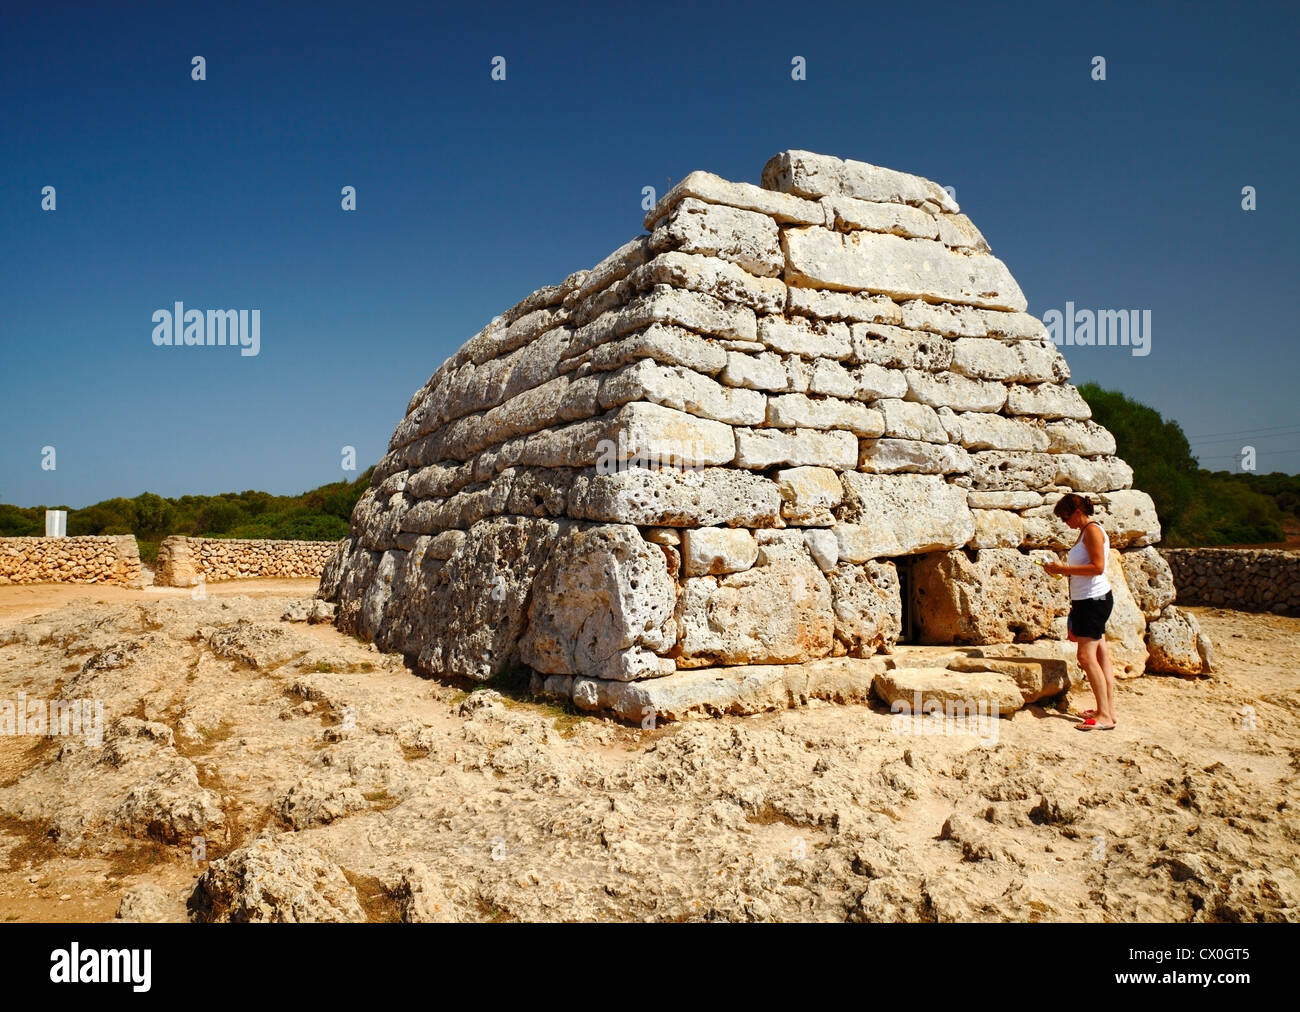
(711, 448)
(182, 560)
(112, 559)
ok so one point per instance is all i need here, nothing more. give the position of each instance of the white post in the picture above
(56, 523)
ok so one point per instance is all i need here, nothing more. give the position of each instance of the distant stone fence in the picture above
(1252, 579)
(182, 561)
(113, 559)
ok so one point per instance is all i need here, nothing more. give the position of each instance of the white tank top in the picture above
(1083, 587)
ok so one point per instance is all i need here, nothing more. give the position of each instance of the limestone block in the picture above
(900, 514)
(602, 606)
(823, 548)
(1002, 470)
(1102, 474)
(997, 529)
(1150, 579)
(649, 432)
(1003, 500)
(1085, 438)
(760, 449)
(677, 497)
(900, 268)
(722, 280)
(945, 319)
(783, 207)
(710, 551)
(850, 307)
(812, 175)
(984, 431)
(659, 342)
(1012, 361)
(996, 597)
(868, 608)
(1014, 326)
(808, 495)
(916, 691)
(1128, 517)
(777, 613)
(755, 372)
(1047, 400)
(849, 213)
(950, 389)
(896, 348)
(886, 456)
(1173, 643)
(799, 336)
(862, 382)
(958, 232)
(911, 420)
(746, 238)
(615, 267)
(682, 390)
(795, 411)
(1126, 629)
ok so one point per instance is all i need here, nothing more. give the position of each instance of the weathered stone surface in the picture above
(711, 551)
(782, 207)
(1039, 676)
(656, 434)
(658, 342)
(950, 389)
(1010, 361)
(868, 607)
(683, 390)
(1174, 644)
(711, 692)
(849, 213)
(885, 515)
(889, 456)
(809, 494)
(1003, 500)
(812, 175)
(1128, 517)
(1126, 629)
(997, 596)
(897, 267)
(862, 382)
(677, 498)
(275, 879)
(798, 411)
(1103, 474)
(914, 691)
(746, 238)
(851, 307)
(706, 274)
(896, 348)
(946, 319)
(1005, 470)
(981, 430)
(602, 606)
(798, 336)
(1086, 438)
(755, 372)
(760, 449)
(911, 420)
(997, 529)
(775, 613)
(1047, 400)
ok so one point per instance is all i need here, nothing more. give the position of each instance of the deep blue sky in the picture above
(471, 193)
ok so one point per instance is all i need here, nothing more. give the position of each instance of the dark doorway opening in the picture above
(907, 598)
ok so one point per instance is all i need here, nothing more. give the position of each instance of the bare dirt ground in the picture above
(368, 792)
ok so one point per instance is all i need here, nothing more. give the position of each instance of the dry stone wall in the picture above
(717, 445)
(182, 560)
(113, 559)
(1249, 579)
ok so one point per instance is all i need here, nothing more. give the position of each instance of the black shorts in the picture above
(1088, 617)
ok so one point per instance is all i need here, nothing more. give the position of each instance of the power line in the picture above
(1242, 432)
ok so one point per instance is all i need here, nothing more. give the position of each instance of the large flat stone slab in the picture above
(713, 692)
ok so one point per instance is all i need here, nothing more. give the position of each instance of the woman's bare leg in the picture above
(1097, 680)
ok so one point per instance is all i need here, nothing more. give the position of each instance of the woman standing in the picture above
(1091, 602)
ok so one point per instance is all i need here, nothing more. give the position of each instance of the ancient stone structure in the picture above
(182, 560)
(1252, 579)
(788, 425)
(110, 559)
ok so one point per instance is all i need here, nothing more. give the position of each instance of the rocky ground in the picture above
(269, 768)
